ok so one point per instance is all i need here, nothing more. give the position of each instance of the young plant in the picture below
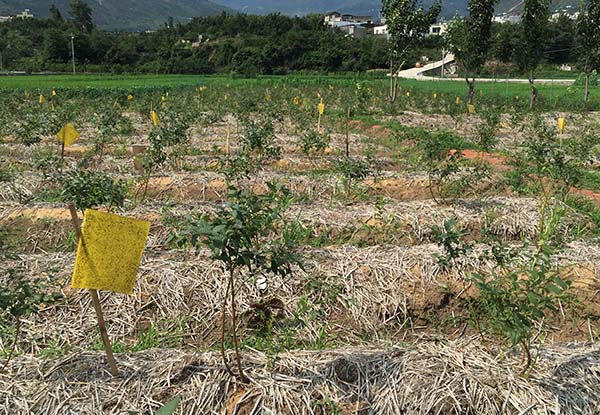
(450, 175)
(88, 188)
(314, 142)
(19, 298)
(245, 234)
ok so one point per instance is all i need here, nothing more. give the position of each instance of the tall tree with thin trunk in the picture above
(588, 40)
(407, 23)
(82, 15)
(533, 32)
(469, 40)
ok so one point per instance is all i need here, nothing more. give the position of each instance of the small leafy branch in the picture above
(20, 298)
(450, 175)
(167, 141)
(520, 290)
(87, 188)
(451, 240)
(246, 234)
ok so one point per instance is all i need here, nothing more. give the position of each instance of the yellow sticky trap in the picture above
(471, 108)
(42, 99)
(321, 107)
(109, 252)
(561, 124)
(296, 101)
(154, 117)
(68, 134)
(457, 100)
(434, 95)
(408, 93)
(53, 92)
(202, 88)
(129, 97)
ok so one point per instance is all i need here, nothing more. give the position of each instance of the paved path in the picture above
(419, 74)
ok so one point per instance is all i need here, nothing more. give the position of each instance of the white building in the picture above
(334, 18)
(380, 30)
(25, 14)
(438, 28)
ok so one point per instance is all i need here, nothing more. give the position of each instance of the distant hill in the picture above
(450, 8)
(123, 14)
(303, 7)
(517, 6)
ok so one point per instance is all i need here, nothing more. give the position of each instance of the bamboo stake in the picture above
(96, 301)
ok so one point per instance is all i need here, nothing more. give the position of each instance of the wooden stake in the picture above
(348, 132)
(227, 141)
(96, 301)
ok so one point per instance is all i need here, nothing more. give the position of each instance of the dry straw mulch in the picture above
(428, 378)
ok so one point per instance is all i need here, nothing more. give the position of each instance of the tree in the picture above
(533, 32)
(470, 40)
(588, 40)
(55, 13)
(82, 15)
(407, 23)
(247, 233)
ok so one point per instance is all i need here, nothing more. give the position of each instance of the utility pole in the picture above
(73, 51)
(443, 60)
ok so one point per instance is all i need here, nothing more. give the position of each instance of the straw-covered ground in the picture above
(371, 323)
(427, 378)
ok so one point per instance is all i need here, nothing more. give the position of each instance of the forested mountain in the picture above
(450, 8)
(302, 7)
(151, 14)
(123, 14)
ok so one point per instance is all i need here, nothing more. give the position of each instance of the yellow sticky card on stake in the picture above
(457, 100)
(321, 107)
(408, 93)
(296, 101)
(471, 108)
(434, 95)
(42, 99)
(129, 97)
(561, 124)
(109, 252)
(154, 117)
(68, 134)
(53, 92)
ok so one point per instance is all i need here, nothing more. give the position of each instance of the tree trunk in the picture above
(392, 89)
(471, 94)
(533, 93)
(586, 94)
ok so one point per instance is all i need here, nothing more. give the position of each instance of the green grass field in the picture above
(555, 96)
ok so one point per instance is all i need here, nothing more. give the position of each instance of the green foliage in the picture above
(469, 39)
(486, 131)
(245, 233)
(450, 175)
(451, 240)
(314, 142)
(88, 189)
(554, 167)
(407, 22)
(353, 168)
(258, 138)
(20, 297)
(513, 301)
